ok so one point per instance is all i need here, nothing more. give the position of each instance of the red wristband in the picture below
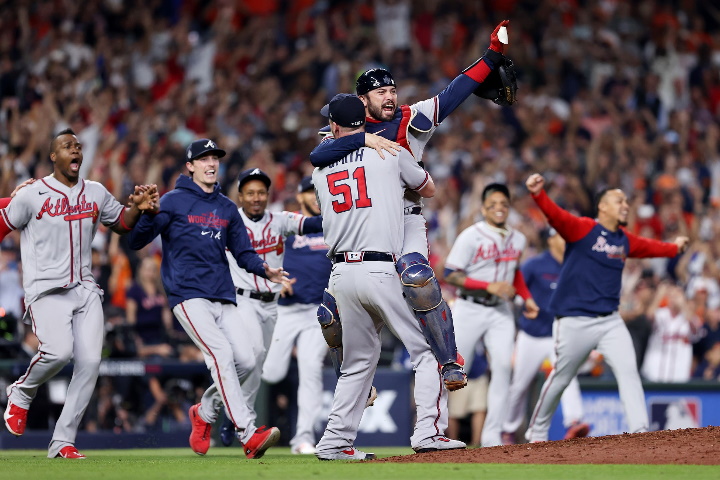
(472, 284)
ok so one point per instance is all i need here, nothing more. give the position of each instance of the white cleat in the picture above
(303, 449)
(439, 443)
(347, 454)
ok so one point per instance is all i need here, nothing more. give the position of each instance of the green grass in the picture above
(221, 463)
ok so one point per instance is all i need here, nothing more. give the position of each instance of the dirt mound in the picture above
(691, 446)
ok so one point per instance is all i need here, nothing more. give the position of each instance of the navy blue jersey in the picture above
(541, 276)
(591, 275)
(196, 227)
(306, 260)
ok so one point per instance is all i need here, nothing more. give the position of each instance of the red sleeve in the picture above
(641, 247)
(479, 71)
(520, 285)
(570, 227)
(472, 284)
(5, 228)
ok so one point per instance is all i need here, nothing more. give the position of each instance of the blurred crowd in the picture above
(622, 93)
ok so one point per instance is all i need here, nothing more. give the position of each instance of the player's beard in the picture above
(622, 223)
(376, 112)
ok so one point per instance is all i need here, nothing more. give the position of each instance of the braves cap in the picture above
(305, 185)
(202, 147)
(346, 110)
(253, 174)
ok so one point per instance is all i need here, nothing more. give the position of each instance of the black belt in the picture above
(358, 257)
(599, 314)
(487, 301)
(262, 296)
(414, 211)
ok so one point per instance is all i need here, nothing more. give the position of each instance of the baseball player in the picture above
(361, 197)
(197, 224)
(306, 259)
(484, 264)
(585, 302)
(534, 344)
(669, 354)
(58, 218)
(256, 297)
(411, 126)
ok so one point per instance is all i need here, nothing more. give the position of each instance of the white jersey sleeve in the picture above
(461, 252)
(417, 138)
(291, 223)
(20, 210)
(413, 176)
(110, 208)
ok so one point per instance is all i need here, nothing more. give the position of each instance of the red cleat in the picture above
(15, 419)
(70, 452)
(200, 435)
(261, 440)
(577, 430)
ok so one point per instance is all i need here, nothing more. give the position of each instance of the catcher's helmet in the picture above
(372, 79)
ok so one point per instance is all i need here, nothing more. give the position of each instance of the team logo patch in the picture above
(672, 413)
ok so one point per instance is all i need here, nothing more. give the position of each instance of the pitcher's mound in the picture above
(691, 446)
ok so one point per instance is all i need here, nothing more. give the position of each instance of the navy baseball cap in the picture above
(305, 185)
(202, 147)
(346, 110)
(253, 174)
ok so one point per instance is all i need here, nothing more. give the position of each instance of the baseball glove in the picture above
(500, 86)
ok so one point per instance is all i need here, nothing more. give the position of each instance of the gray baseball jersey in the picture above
(361, 198)
(351, 184)
(267, 236)
(57, 227)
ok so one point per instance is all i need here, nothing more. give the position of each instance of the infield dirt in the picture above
(691, 446)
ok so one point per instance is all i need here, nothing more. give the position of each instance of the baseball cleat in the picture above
(453, 376)
(347, 454)
(15, 419)
(577, 430)
(227, 433)
(70, 452)
(372, 396)
(200, 434)
(261, 440)
(303, 449)
(440, 443)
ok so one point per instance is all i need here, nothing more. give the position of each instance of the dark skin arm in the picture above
(145, 198)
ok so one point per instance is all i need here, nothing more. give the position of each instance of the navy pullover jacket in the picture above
(196, 228)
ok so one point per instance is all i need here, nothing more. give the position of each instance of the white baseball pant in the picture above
(70, 326)
(575, 338)
(495, 326)
(369, 296)
(216, 329)
(297, 325)
(530, 352)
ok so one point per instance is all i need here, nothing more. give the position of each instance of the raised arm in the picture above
(570, 227)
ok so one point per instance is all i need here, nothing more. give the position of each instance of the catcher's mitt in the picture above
(500, 85)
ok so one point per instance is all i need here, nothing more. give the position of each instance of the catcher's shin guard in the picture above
(329, 318)
(422, 292)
